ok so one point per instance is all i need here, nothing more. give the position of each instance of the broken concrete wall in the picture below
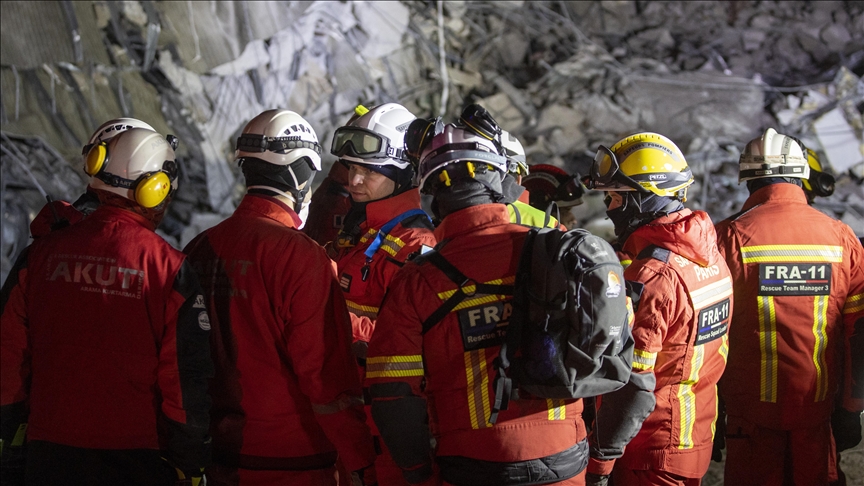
(562, 76)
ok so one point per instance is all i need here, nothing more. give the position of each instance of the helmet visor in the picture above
(359, 142)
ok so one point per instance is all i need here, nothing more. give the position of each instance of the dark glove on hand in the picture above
(592, 479)
(719, 435)
(846, 427)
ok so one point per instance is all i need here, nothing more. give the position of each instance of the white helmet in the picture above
(279, 137)
(773, 155)
(137, 164)
(457, 144)
(374, 137)
(515, 153)
(112, 128)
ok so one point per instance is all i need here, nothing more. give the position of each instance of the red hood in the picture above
(688, 233)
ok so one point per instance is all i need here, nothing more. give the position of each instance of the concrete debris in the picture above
(563, 76)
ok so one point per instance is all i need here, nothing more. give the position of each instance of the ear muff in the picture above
(152, 189)
(821, 183)
(97, 159)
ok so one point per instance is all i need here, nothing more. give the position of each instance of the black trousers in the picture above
(48, 463)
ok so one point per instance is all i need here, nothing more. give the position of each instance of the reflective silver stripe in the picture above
(711, 293)
(768, 253)
(338, 405)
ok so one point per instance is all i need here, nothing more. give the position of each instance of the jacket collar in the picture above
(789, 193)
(688, 233)
(379, 212)
(269, 207)
(471, 220)
(115, 213)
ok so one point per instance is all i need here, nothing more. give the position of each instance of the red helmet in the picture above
(547, 183)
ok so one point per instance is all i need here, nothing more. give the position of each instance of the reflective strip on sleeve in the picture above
(687, 399)
(557, 409)
(854, 303)
(370, 235)
(768, 348)
(643, 360)
(392, 245)
(394, 366)
(820, 325)
(791, 253)
(362, 310)
(724, 348)
(478, 388)
(711, 293)
(337, 405)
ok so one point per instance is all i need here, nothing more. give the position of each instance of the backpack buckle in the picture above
(467, 283)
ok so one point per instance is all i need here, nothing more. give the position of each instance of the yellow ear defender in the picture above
(97, 159)
(150, 189)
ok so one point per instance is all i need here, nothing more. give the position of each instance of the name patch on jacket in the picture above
(794, 278)
(713, 322)
(484, 326)
(101, 275)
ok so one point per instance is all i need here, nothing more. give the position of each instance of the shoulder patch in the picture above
(656, 253)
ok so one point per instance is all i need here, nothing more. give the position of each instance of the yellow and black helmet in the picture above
(645, 162)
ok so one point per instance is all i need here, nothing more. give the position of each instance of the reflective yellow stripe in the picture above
(394, 366)
(478, 388)
(687, 399)
(392, 245)
(854, 303)
(820, 324)
(557, 410)
(768, 348)
(370, 234)
(711, 293)
(471, 288)
(643, 360)
(724, 348)
(362, 310)
(791, 253)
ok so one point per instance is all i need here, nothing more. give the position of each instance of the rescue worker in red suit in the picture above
(534, 441)
(105, 336)
(59, 214)
(545, 184)
(797, 328)
(286, 396)
(330, 203)
(383, 228)
(682, 320)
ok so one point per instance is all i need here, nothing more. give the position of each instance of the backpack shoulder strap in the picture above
(382, 233)
(462, 282)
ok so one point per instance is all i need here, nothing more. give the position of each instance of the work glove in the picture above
(188, 478)
(364, 477)
(846, 427)
(592, 479)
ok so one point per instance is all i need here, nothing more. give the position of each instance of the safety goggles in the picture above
(606, 173)
(418, 135)
(260, 143)
(364, 144)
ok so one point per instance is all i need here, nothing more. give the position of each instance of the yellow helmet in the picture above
(645, 162)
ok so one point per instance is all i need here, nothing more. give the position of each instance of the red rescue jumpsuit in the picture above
(681, 337)
(329, 205)
(451, 367)
(799, 289)
(105, 336)
(286, 396)
(365, 280)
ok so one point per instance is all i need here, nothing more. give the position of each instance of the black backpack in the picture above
(568, 335)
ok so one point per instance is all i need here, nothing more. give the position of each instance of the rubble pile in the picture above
(562, 76)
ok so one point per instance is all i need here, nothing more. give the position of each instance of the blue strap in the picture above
(382, 233)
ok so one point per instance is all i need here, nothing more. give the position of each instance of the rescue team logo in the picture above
(484, 326)
(703, 273)
(613, 285)
(794, 279)
(199, 302)
(713, 322)
(204, 321)
(96, 274)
